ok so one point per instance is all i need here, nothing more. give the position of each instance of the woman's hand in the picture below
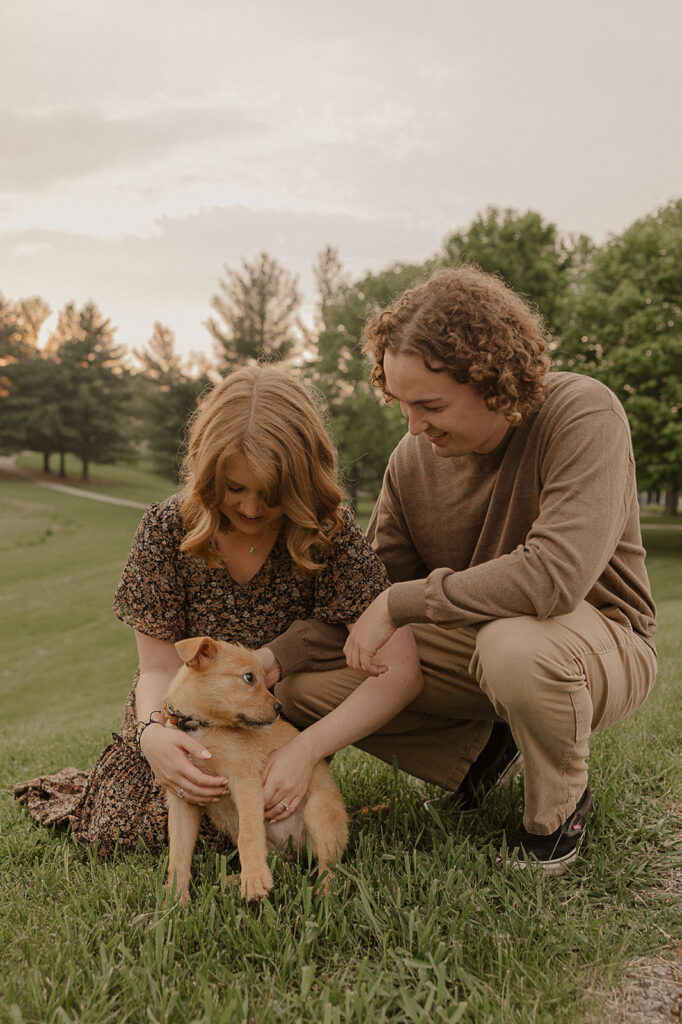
(271, 667)
(286, 778)
(168, 752)
(366, 636)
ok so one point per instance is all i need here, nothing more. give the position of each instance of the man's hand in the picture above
(271, 667)
(367, 635)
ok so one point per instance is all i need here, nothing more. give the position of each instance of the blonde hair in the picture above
(277, 425)
(472, 326)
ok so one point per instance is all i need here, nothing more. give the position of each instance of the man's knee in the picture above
(308, 696)
(294, 693)
(506, 658)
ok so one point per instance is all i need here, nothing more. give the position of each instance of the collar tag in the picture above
(187, 723)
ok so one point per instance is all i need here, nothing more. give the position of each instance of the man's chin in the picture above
(448, 450)
(442, 449)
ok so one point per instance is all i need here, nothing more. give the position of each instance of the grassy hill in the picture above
(420, 926)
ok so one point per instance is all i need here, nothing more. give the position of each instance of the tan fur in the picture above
(210, 687)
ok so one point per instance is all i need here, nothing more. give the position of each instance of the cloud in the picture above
(171, 276)
(26, 250)
(41, 148)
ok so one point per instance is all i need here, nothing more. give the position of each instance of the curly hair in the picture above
(471, 325)
(264, 414)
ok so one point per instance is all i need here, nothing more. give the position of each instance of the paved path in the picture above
(8, 465)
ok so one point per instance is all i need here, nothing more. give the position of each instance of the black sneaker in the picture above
(554, 853)
(496, 766)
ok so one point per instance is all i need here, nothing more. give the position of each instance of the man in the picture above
(509, 526)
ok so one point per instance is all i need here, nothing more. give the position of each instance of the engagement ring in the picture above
(181, 793)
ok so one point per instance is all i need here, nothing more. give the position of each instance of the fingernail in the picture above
(205, 753)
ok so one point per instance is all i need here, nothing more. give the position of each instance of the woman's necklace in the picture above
(252, 549)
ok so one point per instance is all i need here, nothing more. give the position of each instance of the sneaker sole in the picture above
(504, 781)
(556, 866)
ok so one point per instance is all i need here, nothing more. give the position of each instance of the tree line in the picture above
(612, 311)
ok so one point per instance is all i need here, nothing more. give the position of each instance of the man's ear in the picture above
(197, 651)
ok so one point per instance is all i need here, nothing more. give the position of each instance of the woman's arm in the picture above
(374, 702)
(168, 750)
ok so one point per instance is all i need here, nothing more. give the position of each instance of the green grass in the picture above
(420, 925)
(658, 519)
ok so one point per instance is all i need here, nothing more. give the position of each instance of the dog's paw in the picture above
(173, 898)
(325, 877)
(256, 885)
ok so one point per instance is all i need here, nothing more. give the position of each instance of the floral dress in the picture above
(166, 594)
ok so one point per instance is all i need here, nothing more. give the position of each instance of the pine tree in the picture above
(93, 386)
(331, 280)
(29, 417)
(256, 314)
(168, 393)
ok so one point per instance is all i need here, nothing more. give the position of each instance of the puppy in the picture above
(219, 695)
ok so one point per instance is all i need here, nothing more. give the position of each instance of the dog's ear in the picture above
(197, 650)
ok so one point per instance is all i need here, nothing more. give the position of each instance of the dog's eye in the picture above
(248, 677)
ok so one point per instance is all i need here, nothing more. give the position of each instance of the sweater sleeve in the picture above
(350, 580)
(587, 472)
(309, 645)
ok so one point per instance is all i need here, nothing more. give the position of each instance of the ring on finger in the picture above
(181, 793)
(285, 806)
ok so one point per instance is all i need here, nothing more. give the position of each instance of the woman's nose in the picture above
(252, 505)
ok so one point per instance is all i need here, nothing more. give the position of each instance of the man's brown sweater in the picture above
(546, 520)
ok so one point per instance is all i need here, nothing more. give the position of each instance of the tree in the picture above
(257, 314)
(93, 386)
(168, 394)
(331, 280)
(524, 251)
(30, 415)
(28, 381)
(365, 429)
(20, 324)
(625, 328)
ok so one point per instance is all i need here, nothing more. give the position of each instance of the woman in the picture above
(256, 549)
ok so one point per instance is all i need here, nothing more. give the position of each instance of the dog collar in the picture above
(188, 723)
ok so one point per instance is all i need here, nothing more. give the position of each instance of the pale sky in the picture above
(144, 145)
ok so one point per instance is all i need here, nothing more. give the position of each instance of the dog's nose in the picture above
(277, 708)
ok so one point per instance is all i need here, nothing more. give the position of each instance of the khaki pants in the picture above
(554, 682)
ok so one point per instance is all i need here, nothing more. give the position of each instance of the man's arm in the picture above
(309, 645)
(587, 486)
(588, 478)
(352, 576)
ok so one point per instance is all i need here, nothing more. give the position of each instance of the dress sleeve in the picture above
(150, 596)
